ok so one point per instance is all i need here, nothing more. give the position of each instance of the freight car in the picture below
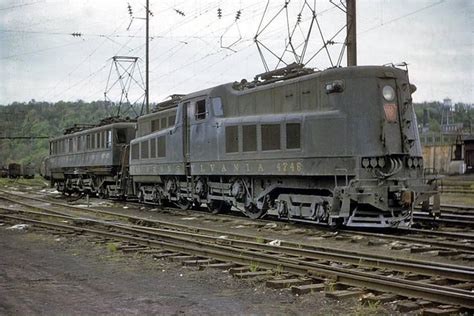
(28, 170)
(45, 170)
(91, 159)
(3, 172)
(338, 146)
(14, 170)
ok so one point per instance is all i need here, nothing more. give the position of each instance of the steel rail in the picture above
(468, 248)
(402, 287)
(160, 223)
(316, 253)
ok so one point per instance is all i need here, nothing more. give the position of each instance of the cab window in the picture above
(200, 110)
(217, 107)
(121, 136)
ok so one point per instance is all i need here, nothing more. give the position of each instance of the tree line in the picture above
(51, 119)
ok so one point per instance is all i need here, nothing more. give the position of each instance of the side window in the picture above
(200, 110)
(155, 125)
(144, 149)
(70, 145)
(153, 148)
(88, 141)
(161, 146)
(99, 140)
(217, 107)
(171, 120)
(270, 136)
(164, 123)
(108, 137)
(231, 139)
(93, 136)
(102, 144)
(250, 136)
(135, 151)
(293, 137)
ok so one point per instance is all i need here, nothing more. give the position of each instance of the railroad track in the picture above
(413, 240)
(451, 215)
(403, 277)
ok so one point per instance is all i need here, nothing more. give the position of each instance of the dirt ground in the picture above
(42, 274)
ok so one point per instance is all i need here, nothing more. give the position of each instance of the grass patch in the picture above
(113, 247)
(36, 182)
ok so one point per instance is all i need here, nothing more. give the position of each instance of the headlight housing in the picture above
(388, 93)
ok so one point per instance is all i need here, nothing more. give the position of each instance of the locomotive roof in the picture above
(158, 112)
(95, 129)
(328, 74)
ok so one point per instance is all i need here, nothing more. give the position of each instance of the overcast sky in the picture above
(41, 60)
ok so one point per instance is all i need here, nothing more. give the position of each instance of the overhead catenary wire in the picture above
(208, 36)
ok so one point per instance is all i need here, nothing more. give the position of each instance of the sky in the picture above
(53, 50)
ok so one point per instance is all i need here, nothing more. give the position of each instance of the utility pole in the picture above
(147, 86)
(351, 33)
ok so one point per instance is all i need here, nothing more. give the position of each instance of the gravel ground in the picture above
(42, 274)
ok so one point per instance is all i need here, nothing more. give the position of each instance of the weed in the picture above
(368, 308)
(279, 270)
(260, 240)
(330, 286)
(113, 247)
(254, 266)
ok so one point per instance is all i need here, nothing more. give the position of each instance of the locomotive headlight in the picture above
(420, 162)
(415, 162)
(409, 162)
(388, 93)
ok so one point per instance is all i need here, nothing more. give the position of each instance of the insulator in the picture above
(298, 19)
(219, 13)
(179, 12)
(237, 16)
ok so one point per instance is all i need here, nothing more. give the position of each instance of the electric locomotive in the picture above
(338, 147)
(92, 159)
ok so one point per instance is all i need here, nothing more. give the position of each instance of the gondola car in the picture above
(338, 146)
(91, 159)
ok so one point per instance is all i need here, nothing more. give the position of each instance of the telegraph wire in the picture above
(21, 5)
(403, 16)
(82, 62)
(40, 50)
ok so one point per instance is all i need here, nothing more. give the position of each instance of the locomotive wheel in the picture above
(218, 206)
(253, 212)
(141, 197)
(196, 205)
(183, 204)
